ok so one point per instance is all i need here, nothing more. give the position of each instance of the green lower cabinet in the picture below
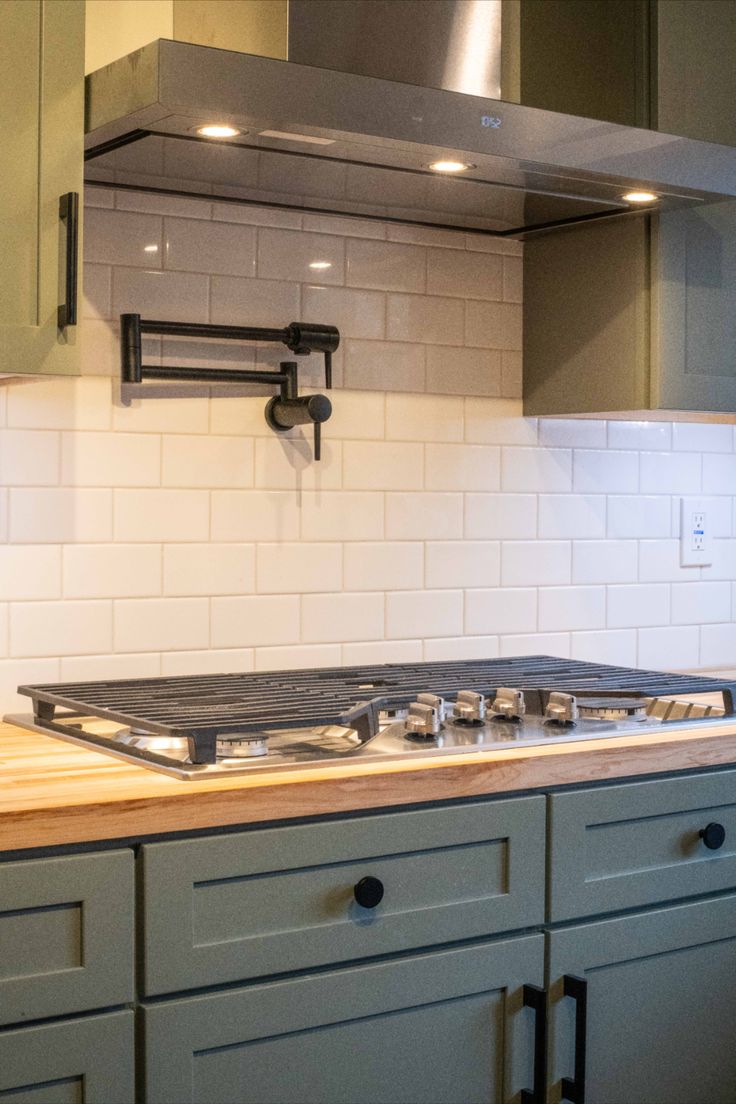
(448, 1026)
(661, 1007)
(80, 1061)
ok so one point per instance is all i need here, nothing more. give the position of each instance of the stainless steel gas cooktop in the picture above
(197, 727)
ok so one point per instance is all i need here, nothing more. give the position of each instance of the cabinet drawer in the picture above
(86, 1061)
(66, 935)
(266, 902)
(447, 1026)
(623, 846)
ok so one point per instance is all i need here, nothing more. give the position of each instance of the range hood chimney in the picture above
(386, 109)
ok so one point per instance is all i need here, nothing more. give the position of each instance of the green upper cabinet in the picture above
(41, 136)
(638, 315)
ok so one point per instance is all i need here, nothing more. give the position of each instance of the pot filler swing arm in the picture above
(284, 411)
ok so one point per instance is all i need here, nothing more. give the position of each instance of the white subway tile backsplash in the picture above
(575, 607)
(600, 472)
(298, 255)
(424, 613)
(297, 568)
(299, 655)
(573, 515)
(334, 618)
(60, 628)
(639, 435)
(700, 603)
(536, 469)
(161, 515)
(342, 515)
(631, 606)
(718, 645)
(461, 647)
(604, 561)
(668, 649)
(389, 465)
(639, 516)
(428, 516)
(355, 313)
(671, 473)
(617, 646)
(29, 572)
(198, 246)
(387, 266)
(50, 515)
(246, 622)
(580, 433)
(462, 563)
(161, 624)
(439, 524)
(501, 611)
(384, 565)
(503, 516)
(110, 460)
(467, 275)
(254, 516)
(207, 462)
(202, 569)
(556, 644)
(719, 473)
(429, 320)
(463, 371)
(423, 418)
(462, 467)
(111, 570)
(29, 458)
(535, 563)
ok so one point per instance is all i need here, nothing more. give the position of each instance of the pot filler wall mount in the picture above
(283, 412)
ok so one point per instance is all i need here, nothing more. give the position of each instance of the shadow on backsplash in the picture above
(419, 310)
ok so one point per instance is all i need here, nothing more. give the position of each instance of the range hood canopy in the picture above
(329, 141)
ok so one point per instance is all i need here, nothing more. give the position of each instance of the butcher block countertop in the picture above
(53, 792)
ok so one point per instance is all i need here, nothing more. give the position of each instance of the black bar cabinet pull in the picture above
(573, 1088)
(69, 214)
(535, 997)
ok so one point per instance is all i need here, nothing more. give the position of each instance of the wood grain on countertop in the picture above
(53, 792)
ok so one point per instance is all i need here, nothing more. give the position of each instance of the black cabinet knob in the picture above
(713, 836)
(368, 892)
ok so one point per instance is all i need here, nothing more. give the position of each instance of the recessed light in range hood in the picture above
(328, 141)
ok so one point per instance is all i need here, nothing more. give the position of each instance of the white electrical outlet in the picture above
(695, 538)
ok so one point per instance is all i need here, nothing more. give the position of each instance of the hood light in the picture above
(321, 264)
(641, 197)
(218, 130)
(450, 166)
(288, 136)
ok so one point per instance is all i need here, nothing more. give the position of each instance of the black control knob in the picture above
(368, 892)
(713, 835)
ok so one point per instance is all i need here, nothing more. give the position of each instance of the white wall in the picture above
(182, 535)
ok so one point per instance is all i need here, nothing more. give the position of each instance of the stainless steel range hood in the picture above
(329, 141)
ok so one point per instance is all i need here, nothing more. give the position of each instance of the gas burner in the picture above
(242, 745)
(612, 709)
(150, 741)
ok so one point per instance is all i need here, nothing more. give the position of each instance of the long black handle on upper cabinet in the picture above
(69, 215)
(573, 1088)
(535, 997)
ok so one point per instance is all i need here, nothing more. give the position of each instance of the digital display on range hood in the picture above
(322, 140)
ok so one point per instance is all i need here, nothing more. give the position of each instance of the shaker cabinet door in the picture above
(41, 137)
(441, 1028)
(653, 999)
(694, 290)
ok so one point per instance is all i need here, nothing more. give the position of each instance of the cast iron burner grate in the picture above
(199, 708)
